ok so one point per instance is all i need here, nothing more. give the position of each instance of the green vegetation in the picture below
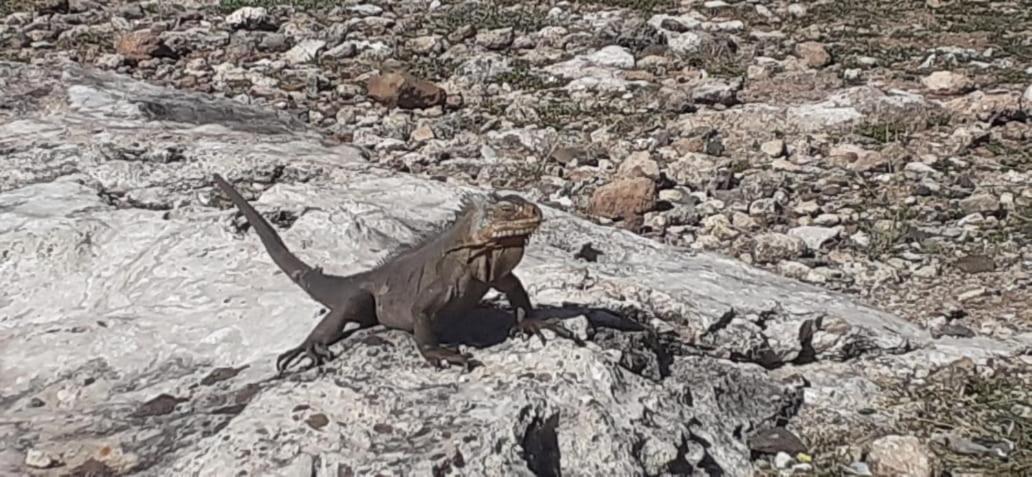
(884, 131)
(642, 6)
(994, 408)
(903, 40)
(488, 16)
(431, 67)
(896, 128)
(8, 7)
(523, 77)
(721, 59)
(886, 234)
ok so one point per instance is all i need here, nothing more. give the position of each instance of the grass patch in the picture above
(642, 6)
(900, 128)
(885, 234)
(903, 39)
(721, 58)
(8, 7)
(231, 5)
(639, 123)
(1011, 157)
(993, 408)
(883, 132)
(431, 67)
(488, 16)
(561, 114)
(523, 77)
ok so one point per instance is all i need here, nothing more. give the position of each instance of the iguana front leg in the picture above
(517, 296)
(430, 348)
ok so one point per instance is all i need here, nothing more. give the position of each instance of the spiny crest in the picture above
(469, 202)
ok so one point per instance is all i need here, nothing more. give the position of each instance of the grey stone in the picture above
(716, 91)
(773, 148)
(498, 39)
(38, 459)
(858, 468)
(783, 460)
(366, 9)
(815, 236)
(612, 56)
(773, 247)
(304, 52)
(984, 203)
(797, 10)
(248, 18)
(900, 455)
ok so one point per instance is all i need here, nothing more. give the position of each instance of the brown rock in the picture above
(626, 199)
(454, 101)
(317, 421)
(814, 54)
(689, 145)
(986, 105)
(422, 133)
(405, 91)
(142, 45)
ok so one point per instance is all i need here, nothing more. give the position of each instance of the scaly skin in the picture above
(448, 270)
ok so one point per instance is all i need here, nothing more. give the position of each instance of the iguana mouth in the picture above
(517, 229)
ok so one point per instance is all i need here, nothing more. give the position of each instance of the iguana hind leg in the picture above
(359, 308)
(317, 353)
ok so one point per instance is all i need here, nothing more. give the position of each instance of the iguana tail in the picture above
(287, 261)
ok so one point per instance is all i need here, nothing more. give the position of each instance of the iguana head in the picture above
(504, 219)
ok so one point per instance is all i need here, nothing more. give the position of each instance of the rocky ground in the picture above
(882, 149)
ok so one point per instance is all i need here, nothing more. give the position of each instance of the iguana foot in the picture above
(528, 327)
(318, 353)
(440, 355)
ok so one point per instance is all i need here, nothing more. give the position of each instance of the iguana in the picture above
(448, 270)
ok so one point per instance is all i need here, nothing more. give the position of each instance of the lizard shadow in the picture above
(489, 324)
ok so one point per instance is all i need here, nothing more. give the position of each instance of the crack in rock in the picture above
(540, 444)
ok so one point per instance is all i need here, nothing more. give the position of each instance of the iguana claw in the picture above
(318, 353)
(441, 355)
(532, 326)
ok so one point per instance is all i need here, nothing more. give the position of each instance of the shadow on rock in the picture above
(642, 351)
(488, 325)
